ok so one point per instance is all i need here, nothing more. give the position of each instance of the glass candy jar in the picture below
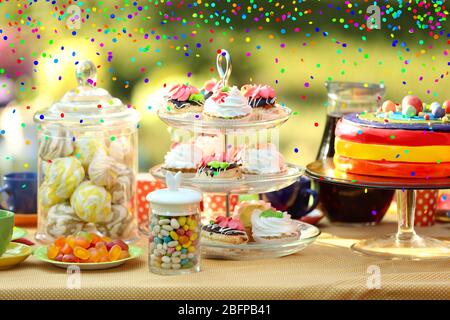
(174, 226)
(87, 163)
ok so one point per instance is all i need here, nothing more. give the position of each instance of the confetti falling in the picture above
(273, 42)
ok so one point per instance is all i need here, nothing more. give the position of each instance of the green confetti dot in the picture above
(438, 162)
(282, 70)
(392, 137)
(2, 71)
(23, 124)
(78, 155)
(113, 138)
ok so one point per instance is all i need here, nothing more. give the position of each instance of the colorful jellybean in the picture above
(181, 221)
(180, 231)
(183, 240)
(174, 235)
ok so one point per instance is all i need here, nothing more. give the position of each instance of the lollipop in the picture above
(91, 203)
(62, 221)
(56, 145)
(104, 170)
(63, 176)
(87, 148)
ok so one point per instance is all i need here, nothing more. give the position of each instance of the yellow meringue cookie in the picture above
(87, 148)
(91, 203)
(47, 196)
(62, 176)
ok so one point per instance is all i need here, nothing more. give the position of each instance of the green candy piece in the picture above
(218, 165)
(271, 214)
(226, 89)
(197, 97)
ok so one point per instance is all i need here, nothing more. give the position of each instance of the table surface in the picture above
(327, 269)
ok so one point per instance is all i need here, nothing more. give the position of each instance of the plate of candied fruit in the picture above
(87, 251)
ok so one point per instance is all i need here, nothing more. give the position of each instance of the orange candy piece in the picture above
(70, 240)
(82, 242)
(60, 241)
(114, 253)
(66, 249)
(52, 252)
(81, 253)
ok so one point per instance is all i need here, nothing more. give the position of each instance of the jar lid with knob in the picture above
(87, 105)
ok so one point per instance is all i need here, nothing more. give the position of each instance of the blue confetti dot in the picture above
(296, 150)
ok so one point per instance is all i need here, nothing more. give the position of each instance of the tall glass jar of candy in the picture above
(87, 163)
(174, 226)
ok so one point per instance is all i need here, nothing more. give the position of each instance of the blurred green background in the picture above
(140, 46)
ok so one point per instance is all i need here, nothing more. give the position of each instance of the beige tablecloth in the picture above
(327, 269)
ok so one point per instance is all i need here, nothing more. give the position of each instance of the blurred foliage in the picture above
(164, 44)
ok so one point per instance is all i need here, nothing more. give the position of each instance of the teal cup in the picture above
(6, 229)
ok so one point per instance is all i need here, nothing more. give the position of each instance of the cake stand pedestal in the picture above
(405, 244)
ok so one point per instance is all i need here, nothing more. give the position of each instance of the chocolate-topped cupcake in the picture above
(185, 98)
(259, 96)
(224, 230)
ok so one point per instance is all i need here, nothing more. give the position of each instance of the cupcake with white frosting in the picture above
(271, 226)
(264, 159)
(183, 157)
(228, 103)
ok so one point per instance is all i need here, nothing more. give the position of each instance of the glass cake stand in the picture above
(248, 184)
(405, 244)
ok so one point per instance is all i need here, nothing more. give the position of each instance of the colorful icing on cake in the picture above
(224, 230)
(411, 142)
(259, 96)
(219, 166)
(185, 98)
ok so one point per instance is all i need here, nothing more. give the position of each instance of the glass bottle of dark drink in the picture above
(342, 203)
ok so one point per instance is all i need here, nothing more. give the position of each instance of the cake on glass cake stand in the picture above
(405, 244)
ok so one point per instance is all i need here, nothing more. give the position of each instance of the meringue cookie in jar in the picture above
(87, 163)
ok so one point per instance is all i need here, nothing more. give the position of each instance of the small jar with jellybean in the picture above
(174, 242)
(174, 225)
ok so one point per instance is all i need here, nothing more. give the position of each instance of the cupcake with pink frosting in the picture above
(185, 98)
(211, 86)
(259, 96)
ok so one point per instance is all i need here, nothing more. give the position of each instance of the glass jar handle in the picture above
(86, 74)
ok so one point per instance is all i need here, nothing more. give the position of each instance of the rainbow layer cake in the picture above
(409, 140)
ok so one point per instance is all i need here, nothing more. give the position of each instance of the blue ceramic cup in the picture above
(294, 199)
(19, 192)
